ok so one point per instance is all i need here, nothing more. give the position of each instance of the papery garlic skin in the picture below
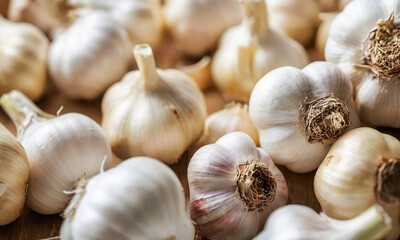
(217, 206)
(248, 51)
(197, 25)
(141, 18)
(234, 117)
(377, 97)
(47, 15)
(23, 58)
(297, 222)
(85, 67)
(150, 205)
(275, 108)
(298, 19)
(60, 150)
(346, 183)
(14, 172)
(153, 112)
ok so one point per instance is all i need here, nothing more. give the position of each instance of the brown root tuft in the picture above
(387, 188)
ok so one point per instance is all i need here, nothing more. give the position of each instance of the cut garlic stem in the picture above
(255, 17)
(21, 109)
(147, 66)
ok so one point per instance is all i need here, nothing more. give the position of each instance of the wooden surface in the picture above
(36, 226)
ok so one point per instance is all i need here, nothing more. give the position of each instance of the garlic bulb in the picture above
(141, 18)
(234, 186)
(47, 15)
(14, 172)
(198, 24)
(151, 205)
(234, 117)
(23, 56)
(361, 168)
(297, 222)
(300, 113)
(60, 150)
(153, 112)
(298, 19)
(323, 32)
(248, 51)
(85, 67)
(363, 42)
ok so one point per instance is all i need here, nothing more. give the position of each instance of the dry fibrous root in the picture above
(382, 49)
(255, 184)
(387, 188)
(323, 119)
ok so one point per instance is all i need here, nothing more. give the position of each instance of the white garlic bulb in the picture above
(234, 186)
(14, 172)
(83, 66)
(297, 222)
(234, 117)
(361, 168)
(141, 18)
(298, 19)
(197, 25)
(363, 42)
(248, 51)
(60, 150)
(153, 112)
(47, 15)
(151, 205)
(23, 57)
(300, 113)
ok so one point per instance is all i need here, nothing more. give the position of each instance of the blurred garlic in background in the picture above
(47, 15)
(248, 51)
(234, 117)
(153, 112)
(198, 24)
(89, 56)
(141, 18)
(298, 19)
(200, 72)
(323, 32)
(23, 58)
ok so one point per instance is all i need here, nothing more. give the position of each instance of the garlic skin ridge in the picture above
(23, 54)
(153, 112)
(356, 173)
(224, 178)
(299, 113)
(158, 203)
(296, 222)
(250, 50)
(198, 24)
(141, 18)
(60, 150)
(234, 117)
(86, 67)
(14, 173)
(377, 97)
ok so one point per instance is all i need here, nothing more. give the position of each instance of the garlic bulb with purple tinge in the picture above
(234, 186)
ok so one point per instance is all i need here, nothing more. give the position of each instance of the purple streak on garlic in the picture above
(234, 186)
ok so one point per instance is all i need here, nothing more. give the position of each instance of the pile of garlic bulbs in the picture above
(200, 119)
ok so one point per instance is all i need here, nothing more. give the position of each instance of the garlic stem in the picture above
(21, 109)
(255, 17)
(245, 65)
(145, 60)
(373, 223)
